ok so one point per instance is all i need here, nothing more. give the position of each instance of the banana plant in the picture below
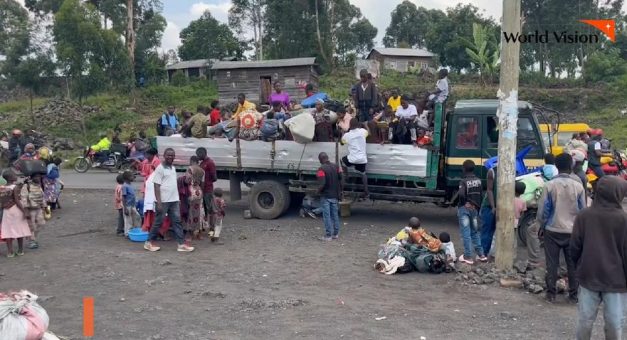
(483, 52)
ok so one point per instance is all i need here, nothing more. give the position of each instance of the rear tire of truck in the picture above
(268, 199)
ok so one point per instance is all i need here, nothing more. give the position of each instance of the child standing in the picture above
(131, 216)
(470, 192)
(520, 206)
(14, 224)
(449, 248)
(220, 205)
(119, 206)
(34, 202)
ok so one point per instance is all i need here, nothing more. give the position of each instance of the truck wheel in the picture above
(525, 222)
(268, 199)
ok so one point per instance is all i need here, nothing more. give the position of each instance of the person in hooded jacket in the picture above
(598, 247)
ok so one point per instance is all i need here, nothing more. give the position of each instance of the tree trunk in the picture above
(332, 33)
(260, 22)
(320, 45)
(30, 96)
(130, 34)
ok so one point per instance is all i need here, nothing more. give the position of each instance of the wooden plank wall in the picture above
(248, 81)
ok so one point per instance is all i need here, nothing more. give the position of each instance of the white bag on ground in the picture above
(21, 317)
(302, 128)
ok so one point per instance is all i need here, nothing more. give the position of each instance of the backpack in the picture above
(159, 127)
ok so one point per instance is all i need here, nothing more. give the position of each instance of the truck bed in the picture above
(390, 161)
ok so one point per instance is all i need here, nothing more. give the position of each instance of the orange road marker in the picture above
(88, 316)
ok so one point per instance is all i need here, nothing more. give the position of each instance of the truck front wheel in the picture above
(268, 199)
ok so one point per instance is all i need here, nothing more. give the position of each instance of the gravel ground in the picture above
(270, 280)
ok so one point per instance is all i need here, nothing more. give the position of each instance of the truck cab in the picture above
(472, 133)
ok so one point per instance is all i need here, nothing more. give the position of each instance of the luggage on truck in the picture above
(21, 317)
(302, 128)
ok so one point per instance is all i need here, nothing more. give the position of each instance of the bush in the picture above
(604, 66)
(179, 79)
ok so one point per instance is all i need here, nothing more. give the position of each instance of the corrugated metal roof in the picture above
(228, 65)
(198, 63)
(403, 52)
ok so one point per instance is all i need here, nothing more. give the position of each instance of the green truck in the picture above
(279, 173)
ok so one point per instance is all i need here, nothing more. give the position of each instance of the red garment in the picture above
(214, 117)
(149, 220)
(147, 168)
(210, 174)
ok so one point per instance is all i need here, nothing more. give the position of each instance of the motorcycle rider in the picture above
(101, 149)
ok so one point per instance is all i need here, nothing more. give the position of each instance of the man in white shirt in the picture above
(167, 202)
(357, 157)
(408, 115)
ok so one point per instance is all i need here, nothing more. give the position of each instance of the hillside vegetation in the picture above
(591, 105)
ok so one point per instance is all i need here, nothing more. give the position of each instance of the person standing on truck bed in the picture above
(167, 202)
(330, 190)
(323, 131)
(470, 193)
(365, 97)
(211, 176)
(357, 157)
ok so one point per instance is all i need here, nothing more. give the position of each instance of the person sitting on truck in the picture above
(357, 157)
(169, 123)
(185, 130)
(344, 118)
(198, 123)
(224, 128)
(242, 106)
(407, 114)
(214, 116)
(395, 100)
(323, 131)
(271, 127)
(440, 95)
(384, 121)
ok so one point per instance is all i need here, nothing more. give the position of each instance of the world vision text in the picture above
(563, 37)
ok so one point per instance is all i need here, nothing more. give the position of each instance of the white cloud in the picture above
(170, 39)
(219, 11)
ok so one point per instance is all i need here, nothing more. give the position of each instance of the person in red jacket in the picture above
(211, 176)
(214, 116)
(598, 247)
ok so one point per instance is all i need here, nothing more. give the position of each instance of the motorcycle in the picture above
(116, 161)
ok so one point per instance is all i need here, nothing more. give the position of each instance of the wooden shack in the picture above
(255, 78)
(402, 59)
(190, 68)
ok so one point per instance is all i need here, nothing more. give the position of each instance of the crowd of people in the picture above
(170, 206)
(387, 116)
(29, 190)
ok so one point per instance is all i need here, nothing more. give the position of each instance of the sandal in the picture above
(20, 253)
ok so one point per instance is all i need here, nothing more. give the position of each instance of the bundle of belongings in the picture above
(413, 248)
(22, 318)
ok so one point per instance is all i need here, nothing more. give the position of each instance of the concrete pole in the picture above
(507, 114)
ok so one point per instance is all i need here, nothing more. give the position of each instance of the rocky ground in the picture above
(270, 280)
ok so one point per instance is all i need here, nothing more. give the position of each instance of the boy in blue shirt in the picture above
(129, 202)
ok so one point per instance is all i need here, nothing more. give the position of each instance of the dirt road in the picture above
(270, 280)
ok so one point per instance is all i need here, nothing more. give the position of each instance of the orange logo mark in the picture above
(608, 27)
(88, 316)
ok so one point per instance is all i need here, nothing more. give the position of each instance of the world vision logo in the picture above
(607, 27)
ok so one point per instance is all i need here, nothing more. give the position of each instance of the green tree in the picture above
(289, 38)
(605, 66)
(448, 34)
(207, 38)
(244, 14)
(14, 30)
(43, 7)
(149, 33)
(77, 33)
(408, 24)
(483, 52)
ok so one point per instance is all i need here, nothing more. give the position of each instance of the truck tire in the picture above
(525, 222)
(268, 199)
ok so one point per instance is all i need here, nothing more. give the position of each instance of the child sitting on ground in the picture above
(220, 206)
(420, 236)
(34, 202)
(118, 205)
(520, 206)
(129, 202)
(448, 247)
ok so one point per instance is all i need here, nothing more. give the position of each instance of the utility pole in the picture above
(507, 114)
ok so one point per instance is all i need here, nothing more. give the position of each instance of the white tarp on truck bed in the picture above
(388, 160)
